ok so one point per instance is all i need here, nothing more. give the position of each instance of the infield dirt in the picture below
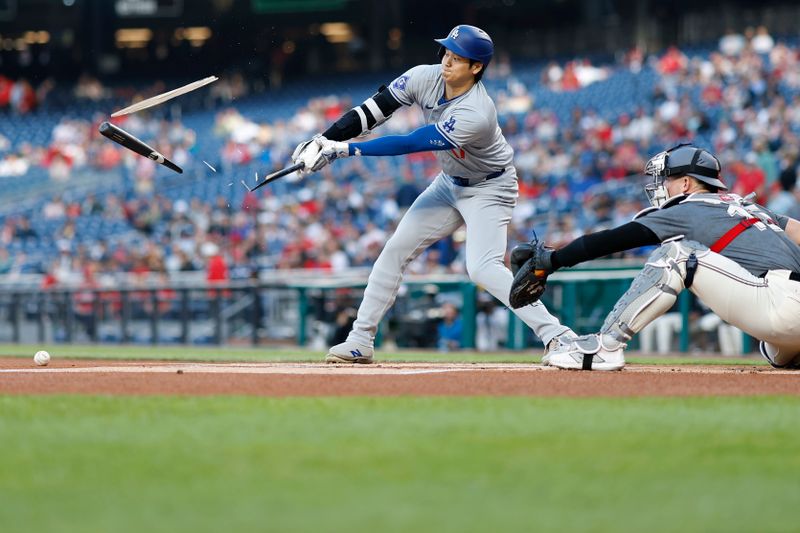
(20, 376)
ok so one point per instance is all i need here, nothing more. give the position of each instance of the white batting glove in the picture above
(328, 151)
(306, 153)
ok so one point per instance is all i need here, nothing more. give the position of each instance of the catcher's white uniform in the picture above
(753, 281)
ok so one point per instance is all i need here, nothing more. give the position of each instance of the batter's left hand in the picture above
(328, 151)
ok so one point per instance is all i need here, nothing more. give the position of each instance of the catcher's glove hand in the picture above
(530, 264)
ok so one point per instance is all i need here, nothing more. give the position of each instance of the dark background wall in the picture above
(259, 36)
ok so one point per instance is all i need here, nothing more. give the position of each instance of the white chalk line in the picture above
(233, 369)
(380, 369)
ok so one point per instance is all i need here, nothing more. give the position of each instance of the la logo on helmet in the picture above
(454, 33)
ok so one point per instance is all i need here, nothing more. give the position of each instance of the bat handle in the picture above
(279, 174)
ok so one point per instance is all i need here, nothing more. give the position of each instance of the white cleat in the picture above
(587, 353)
(350, 352)
(770, 353)
(559, 344)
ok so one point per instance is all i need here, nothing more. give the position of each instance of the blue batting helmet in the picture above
(470, 42)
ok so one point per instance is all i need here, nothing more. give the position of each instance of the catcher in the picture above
(740, 259)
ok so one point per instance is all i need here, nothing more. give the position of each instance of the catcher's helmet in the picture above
(470, 42)
(681, 160)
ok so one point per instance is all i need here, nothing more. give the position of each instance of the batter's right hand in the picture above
(306, 152)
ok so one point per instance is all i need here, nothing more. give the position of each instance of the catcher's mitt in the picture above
(530, 278)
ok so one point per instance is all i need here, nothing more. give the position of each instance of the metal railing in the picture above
(287, 307)
(284, 307)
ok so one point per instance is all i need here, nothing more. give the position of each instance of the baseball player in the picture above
(737, 257)
(477, 186)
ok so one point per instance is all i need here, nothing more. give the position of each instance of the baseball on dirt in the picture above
(41, 358)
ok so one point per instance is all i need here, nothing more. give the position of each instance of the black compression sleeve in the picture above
(345, 128)
(602, 243)
(387, 103)
(349, 125)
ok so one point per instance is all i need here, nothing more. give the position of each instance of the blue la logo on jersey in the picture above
(449, 125)
(400, 83)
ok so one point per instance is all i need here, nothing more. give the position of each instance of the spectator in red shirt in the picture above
(49, 280)
(216, 268)
(672, 62)
(569, 82)
(5, 91)
(712, 94)
(749, 177)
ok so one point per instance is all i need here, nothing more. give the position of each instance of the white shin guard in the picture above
(652, 292)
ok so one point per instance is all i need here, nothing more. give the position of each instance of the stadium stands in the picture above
(577, 142)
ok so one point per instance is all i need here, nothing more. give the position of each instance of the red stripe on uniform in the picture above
(732, 233)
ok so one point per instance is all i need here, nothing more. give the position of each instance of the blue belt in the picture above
(466, 182)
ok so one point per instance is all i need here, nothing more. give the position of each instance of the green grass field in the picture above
(123, 464)
(210, 464)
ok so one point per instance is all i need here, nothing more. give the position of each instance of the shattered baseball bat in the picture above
(277, 175)
(120, 136)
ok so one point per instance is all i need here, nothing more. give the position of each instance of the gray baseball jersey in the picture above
(484, 206)
(468, 121)
(707, 217)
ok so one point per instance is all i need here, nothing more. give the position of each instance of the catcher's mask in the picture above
(681, 160)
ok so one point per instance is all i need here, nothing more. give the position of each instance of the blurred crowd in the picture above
(19, 96)
(75, 144)
(578, 171)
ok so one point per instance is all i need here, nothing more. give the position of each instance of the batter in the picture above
(477, 186)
